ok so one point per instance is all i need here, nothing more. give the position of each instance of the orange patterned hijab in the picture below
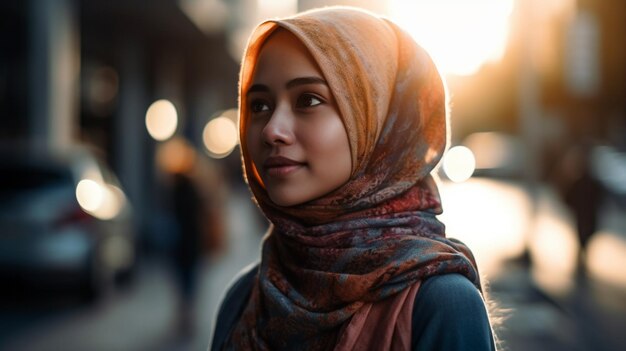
(327, 263)
(386, 87)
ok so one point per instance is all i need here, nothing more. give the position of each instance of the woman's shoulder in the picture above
(241, 284)
(233, 303)
(448, 292)
(449, 314)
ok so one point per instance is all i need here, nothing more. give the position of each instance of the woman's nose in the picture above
(279, 128)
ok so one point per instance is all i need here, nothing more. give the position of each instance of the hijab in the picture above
(329, 266)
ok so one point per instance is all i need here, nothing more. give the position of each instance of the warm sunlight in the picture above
(460, 35)
(553, 244)
(492, 217)
(276, 8)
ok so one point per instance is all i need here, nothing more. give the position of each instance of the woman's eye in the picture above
(258, 106)
(308, 100)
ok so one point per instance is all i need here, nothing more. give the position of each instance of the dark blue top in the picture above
(448, 314)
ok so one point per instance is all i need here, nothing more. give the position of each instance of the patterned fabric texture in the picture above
(377, 235)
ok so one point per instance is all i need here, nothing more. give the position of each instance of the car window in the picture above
(16, 179)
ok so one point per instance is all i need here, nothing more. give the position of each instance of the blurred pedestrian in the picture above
(342, 119)
(582, 192)
(198, 229)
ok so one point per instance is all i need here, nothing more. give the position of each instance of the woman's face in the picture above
(294, 132)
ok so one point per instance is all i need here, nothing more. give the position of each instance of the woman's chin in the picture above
(286, 200)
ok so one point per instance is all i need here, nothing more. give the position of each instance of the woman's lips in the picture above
(279, 166)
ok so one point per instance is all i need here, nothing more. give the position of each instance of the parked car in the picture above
(64, 222)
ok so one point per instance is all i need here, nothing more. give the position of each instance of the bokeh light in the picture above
(220, 137)
(89, 195)
(113, 200)
(117, 251)
(103, 85)
(161, 120)
(103, 201)
(176, 156)
(460, 35)
(459, 164)
(606, 259)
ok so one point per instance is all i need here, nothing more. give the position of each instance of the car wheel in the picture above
(99, 280)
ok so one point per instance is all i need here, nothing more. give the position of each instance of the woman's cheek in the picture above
(253, 140)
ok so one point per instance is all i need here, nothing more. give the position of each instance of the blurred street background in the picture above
(124, 215)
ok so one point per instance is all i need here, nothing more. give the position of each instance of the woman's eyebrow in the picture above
(290, 84)
(305, 80)
(258, 87)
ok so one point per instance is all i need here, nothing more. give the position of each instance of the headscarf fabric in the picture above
(377, 236)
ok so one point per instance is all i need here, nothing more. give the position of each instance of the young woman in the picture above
(342, 120)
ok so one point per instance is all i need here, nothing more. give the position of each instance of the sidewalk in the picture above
(543, 307)
(592, 316)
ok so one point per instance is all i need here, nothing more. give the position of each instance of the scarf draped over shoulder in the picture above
(328, 265)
